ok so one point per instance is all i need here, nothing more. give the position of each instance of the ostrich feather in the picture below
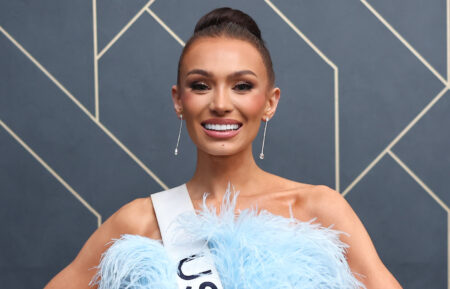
(250, 250)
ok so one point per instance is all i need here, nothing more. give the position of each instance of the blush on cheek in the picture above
(255, 104)
(192, 102)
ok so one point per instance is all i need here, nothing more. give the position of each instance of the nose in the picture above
(220, 101)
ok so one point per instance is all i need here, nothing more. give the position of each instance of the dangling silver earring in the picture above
(261, 155)
(179, 134)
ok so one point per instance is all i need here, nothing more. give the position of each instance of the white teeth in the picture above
(221, 126)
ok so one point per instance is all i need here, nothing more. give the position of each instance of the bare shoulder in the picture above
(332, 209)
(136, 217)
(326, 204)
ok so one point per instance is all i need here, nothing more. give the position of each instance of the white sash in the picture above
(196, 268)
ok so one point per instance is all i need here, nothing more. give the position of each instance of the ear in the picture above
(176, 100)
(271, 103)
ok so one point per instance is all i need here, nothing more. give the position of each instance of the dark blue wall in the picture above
(87, 122)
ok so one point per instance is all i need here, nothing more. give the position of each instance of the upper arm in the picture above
(362, 257)
(136, 217)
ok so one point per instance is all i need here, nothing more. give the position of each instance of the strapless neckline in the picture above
(252, 250)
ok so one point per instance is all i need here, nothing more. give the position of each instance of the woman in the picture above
(225, 76)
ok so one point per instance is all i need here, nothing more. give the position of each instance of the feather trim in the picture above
(135, 262)
(251, 250)
(263, 250)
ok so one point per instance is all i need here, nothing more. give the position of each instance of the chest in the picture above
(278, 204)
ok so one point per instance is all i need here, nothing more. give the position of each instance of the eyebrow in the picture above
(208, 74)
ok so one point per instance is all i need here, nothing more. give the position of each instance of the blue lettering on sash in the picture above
(204, 285)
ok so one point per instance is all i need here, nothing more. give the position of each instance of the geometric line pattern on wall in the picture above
(83, 108)
(424, 110)
(387, 149)
(419, 181)
(414, 225)
(164, 25)
(396, 139)
(435, 197)
(141, 113)
(124, 29)
(336, 89)
(404, 41)
(52, 171)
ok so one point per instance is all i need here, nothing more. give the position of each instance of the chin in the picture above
(218, 150)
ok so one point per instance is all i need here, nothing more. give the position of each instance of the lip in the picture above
(221, 134)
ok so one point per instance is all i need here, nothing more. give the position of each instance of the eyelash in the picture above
(199, 86)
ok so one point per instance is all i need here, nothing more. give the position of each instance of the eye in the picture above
(198, 86)
(243, 86)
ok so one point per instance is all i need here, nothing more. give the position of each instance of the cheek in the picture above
(254, 106)
(193, 103)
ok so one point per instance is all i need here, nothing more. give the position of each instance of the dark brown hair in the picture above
(233, 23)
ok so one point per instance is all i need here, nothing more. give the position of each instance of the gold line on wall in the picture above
(337, 152)
(94, 28)
(435, 197)
(124, 29)
(83, 108)
(395, 140)
(406, 43)
(448, 62)
(448, 85)
(52, 171)
(418, 180)
(336, 89)
(167, 28)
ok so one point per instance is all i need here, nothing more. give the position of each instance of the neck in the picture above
(213, 173)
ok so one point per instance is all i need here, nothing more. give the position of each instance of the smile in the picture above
(221, 127)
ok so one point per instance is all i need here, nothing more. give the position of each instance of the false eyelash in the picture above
(195, 85)
(247, 84)
(202, 86)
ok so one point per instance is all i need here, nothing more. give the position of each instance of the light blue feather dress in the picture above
(250, 250)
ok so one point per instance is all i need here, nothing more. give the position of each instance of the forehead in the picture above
(223, 55)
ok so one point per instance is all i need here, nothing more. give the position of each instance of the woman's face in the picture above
(223, 94)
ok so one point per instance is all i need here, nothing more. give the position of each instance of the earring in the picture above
(261, 155)
(179, 134)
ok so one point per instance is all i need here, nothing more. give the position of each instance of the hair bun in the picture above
(225, 15)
